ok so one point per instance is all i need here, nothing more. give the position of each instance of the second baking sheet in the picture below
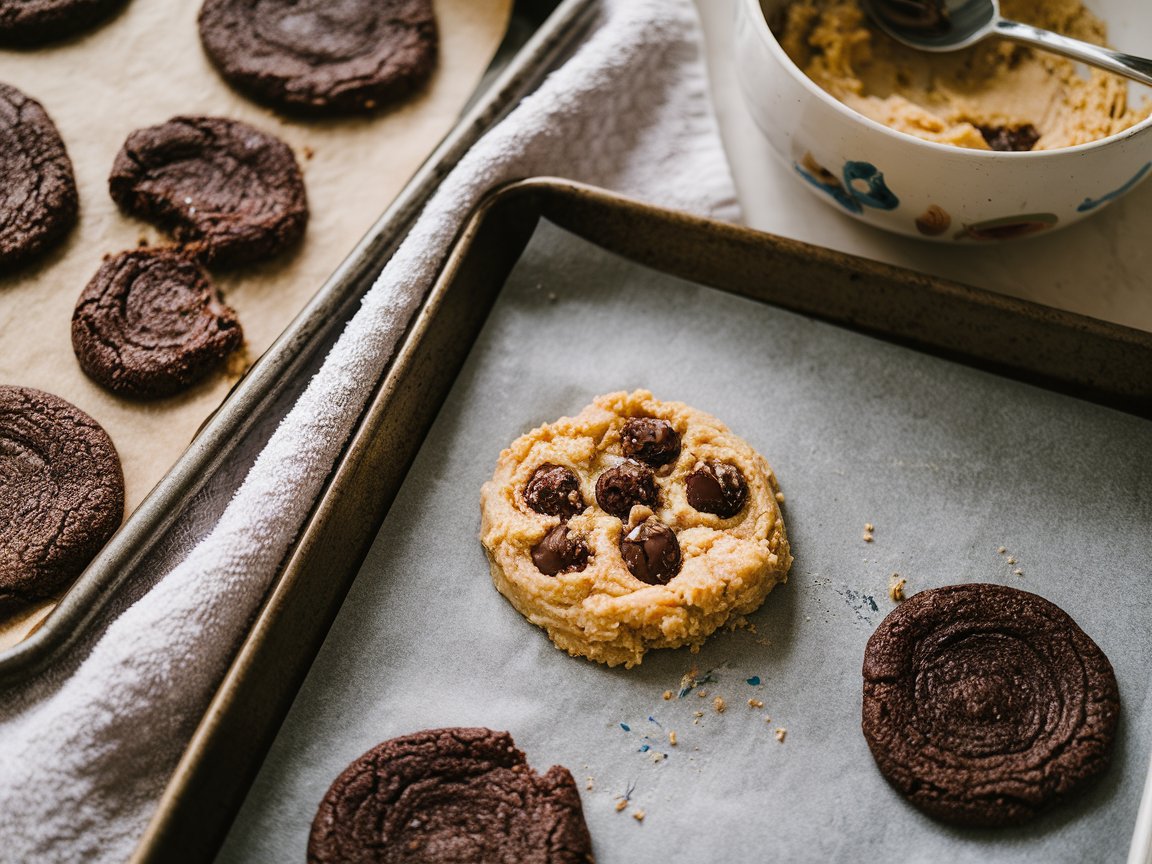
(948, 464)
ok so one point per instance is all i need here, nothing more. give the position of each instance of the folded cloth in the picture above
(84, 759)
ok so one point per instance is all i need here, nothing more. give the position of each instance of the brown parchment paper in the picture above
(141, 69)
(946, 463)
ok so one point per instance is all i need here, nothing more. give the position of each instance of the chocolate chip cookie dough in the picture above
(996, 95)
(636, 524)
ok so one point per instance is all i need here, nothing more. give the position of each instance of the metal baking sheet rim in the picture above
(267, 378)
(1113, 366)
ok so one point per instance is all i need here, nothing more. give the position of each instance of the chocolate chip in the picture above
(1010, 138)
(560, 552)
(554, 491)
(651, 552)
(629, 483)
(718, 488)
(650, 440)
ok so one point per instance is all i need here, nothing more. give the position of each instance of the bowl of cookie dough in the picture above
(995, 142)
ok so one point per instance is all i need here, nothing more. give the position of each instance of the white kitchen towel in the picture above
(84, 760)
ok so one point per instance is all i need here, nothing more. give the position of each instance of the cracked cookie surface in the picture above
(27, 23)
(150, 324)
(321, 57)
(450, 796)
(636, 524)
(985, 705)
(61, 493)
(231, 193)
(38, 199)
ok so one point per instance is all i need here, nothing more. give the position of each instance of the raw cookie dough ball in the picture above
(659, 525)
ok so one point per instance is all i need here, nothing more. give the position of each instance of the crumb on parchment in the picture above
(780, 733)
(672, 737)
(755, 703)
(719, 704)
(621, 803)
(896, 588)
(639, 815)
(667, 695)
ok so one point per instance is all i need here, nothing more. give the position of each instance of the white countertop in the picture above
(1101, 267)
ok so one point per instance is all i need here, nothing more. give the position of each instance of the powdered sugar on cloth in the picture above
(84, 757)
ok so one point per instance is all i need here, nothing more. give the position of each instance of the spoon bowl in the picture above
(887, 179)
(949, 25)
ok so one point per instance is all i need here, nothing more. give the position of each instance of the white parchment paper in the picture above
(948, 464)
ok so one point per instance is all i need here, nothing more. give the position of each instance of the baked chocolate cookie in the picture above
(38, 201)
(150, 323)
(636, 524)
(320, 57)
(26, 23)
(234, 194)
(450, 796)
(985, 705)
(61, 493)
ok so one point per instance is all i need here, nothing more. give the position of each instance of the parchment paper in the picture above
(948, 464)
(141, 69)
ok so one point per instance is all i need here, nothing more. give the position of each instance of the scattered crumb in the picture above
(658, 757)
(869, 527)
(866, 537)
(621, 804)
(767, 718)
(896, 588)
(672, 737)
(639, 815)
(667, 695)
(551, 296)
(1011, 560)
(1017, 572)
(780, 497)
(696, 717)
(703, 694)
(755, 703)
(308, 152)
(719, 704)
(588, 784)
(780, 733)
(1002, 549)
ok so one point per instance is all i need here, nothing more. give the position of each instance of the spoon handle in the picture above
(1136, 68)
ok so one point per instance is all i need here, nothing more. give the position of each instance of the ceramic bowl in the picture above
(924, 189)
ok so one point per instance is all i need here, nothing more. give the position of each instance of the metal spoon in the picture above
(947, 25)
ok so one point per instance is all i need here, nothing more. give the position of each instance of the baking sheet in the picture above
(140, 69)
(946, 462)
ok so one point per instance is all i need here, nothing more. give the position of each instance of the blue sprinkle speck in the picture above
(872, 603)
(625, 727)
(754, 680)
(644, 748)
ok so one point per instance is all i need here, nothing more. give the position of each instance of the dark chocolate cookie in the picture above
(150, 324)
(320, 57)
(61, 493)
(985, 705)
(450, 796)
(26, 23)
(232, 192)
(38, 201)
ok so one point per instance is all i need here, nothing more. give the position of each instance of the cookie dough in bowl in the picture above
(636, 524)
